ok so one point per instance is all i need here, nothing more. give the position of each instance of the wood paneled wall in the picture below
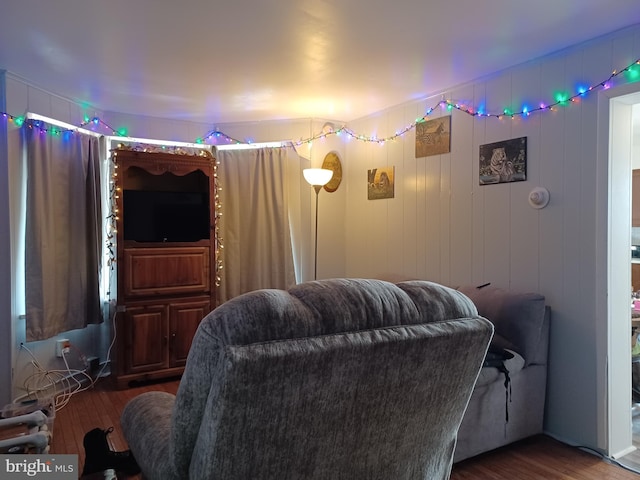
(443, 226)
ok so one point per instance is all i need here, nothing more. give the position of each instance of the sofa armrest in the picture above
(541, 352)
(519, 318)
(146, 424)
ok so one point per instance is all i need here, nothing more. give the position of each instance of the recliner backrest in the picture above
(298, 317)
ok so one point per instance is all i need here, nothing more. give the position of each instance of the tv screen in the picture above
(159, 216)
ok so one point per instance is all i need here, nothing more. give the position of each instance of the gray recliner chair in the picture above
(333, 379)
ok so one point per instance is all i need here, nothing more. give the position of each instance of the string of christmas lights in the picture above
(560, 99)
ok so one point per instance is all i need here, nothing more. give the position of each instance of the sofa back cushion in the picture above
(518, 318)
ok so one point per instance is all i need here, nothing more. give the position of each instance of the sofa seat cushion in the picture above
(491, 374)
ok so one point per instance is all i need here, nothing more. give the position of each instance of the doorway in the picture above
(635, 241)
(616, 128)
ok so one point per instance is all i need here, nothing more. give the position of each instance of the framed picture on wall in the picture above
(433, 137)
(380, 183)
(503, 162)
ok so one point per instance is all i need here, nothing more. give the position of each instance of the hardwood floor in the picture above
(99, 407)
(539, 457)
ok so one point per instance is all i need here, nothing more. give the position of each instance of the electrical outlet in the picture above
(61, 345)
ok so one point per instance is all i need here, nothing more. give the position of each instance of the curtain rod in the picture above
(168, 143)
(247, 146)
(66, 126)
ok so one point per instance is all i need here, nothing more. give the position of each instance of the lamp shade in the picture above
(317, 176)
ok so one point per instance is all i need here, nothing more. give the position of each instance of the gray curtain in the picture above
(63, 237)
(255, 226)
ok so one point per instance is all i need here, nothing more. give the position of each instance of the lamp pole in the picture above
(315, 256)
(317, 178)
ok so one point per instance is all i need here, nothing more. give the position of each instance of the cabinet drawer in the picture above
(166, 271)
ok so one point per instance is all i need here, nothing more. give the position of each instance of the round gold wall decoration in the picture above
(332, 162)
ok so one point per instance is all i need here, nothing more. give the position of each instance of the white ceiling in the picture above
(226, 61)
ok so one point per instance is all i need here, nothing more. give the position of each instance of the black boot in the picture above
(100, 457)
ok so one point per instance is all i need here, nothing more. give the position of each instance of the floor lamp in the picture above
(317, 178)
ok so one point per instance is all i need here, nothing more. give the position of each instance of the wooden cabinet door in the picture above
(146, 338)
(635, 199)
(184, 318)
(635, 276)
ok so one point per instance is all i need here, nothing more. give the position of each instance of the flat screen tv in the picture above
(161, 216)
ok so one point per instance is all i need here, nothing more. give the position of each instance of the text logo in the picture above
(51, 467)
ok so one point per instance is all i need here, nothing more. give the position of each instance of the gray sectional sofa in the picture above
(497, 414)
(220, 424)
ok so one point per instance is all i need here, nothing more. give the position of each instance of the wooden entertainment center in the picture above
(165, 260)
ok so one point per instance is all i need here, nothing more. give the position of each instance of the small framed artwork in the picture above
(503, 162)
(380, 183)
(433, 137)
